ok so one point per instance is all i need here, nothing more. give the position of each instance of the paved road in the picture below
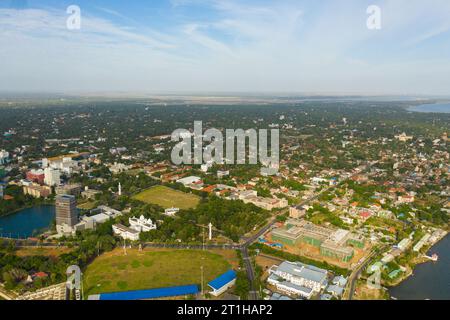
(357, 272)
(248, 241)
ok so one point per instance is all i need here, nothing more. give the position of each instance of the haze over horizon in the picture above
(186, 46)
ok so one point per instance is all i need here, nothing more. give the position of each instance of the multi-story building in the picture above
(125, 232)
(72, 189)
(52, 177)
(297, 212)
(334, 243)
(141, 224)
(66, 213)
(37, 176)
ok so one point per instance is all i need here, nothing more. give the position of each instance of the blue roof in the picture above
(151, 293)
(223, 280)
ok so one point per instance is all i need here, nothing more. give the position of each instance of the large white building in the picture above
(298, 278)
(141, 224)
(52, 177)
(4, 156)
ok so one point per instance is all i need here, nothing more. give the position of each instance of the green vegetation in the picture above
(318, 215)
(114, 271)
(167, 198)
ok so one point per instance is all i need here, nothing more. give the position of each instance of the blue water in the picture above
(27, 222)
(432, 108)
(431, 280)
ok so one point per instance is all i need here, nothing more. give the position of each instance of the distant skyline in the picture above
(226, 46)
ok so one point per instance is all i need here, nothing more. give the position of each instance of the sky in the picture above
(280, 46)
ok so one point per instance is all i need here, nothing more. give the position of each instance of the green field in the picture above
(167, 198)
(156, 268)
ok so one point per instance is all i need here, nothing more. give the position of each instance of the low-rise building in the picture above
(298, 278)
(125, 232)
(335, 243)
(297, 212)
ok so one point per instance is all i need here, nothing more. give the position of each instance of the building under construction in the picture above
(334, 243)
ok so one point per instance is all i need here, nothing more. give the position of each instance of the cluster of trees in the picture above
(232, 218)
(85, 246)
(18, 200)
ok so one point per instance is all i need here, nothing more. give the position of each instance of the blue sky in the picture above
(226, 46)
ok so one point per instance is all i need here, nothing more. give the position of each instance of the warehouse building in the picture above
(222, 283)
(148, 294)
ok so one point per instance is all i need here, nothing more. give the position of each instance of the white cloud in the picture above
(276, 46)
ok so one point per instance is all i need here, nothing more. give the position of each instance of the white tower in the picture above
(210, 231)
(120, 189)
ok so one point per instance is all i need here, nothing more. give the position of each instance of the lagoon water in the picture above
(27, 222)
(431, 280)
(432, 108)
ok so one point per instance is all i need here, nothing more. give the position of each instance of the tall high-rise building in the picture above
(66, 211)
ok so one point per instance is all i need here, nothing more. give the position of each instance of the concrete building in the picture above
(298, 279)
(141, 224)
(52, 177)
(424, 240)
(110, 212)
(66, 213)
(334, 243)
(171, 212)
(125, 232)
(36, 176)
(189, 180)
(90, 193)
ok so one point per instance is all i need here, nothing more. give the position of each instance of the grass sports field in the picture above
(155, 268)
(167, 198)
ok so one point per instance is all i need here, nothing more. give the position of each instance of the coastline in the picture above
(25, 207)
(37, 230)
(437, 107)
(419, 261)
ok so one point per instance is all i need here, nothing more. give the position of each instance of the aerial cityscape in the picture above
(223, 169)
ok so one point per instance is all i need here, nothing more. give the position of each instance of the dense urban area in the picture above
(361, 194)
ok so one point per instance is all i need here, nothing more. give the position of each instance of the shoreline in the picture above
(39, 232)
(416, 108)
(24, 208)
(407, 275)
